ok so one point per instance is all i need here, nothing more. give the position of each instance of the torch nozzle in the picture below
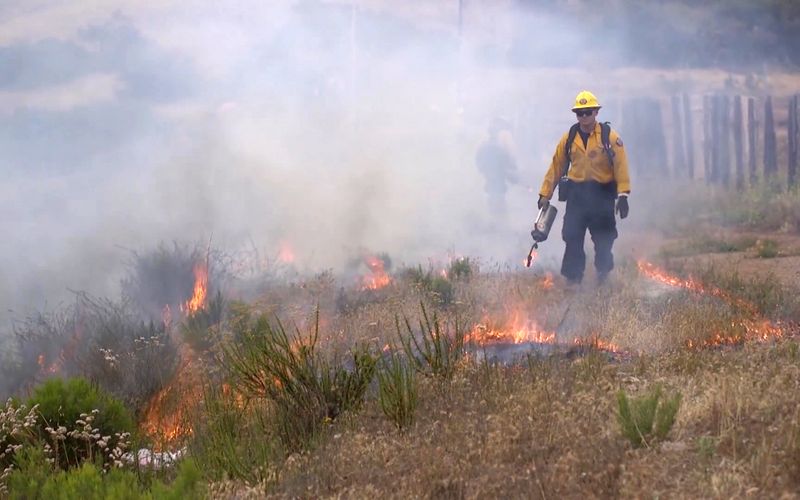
(530, 254)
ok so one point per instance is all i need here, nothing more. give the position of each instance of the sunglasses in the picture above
(584, 112)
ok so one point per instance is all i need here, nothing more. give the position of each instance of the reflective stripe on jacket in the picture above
(589, 163)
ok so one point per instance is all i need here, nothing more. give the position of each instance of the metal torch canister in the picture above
(544, 221)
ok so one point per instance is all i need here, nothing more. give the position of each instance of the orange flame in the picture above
(198, 300)
(378, 277)
(286, 253)
(755, 328)
(54, 367)
(653, 272)
(547, 282)
(520, 331)
(65, 354)
(166, 418)
(598, 343)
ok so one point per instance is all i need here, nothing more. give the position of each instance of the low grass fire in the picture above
(377, 277)
(747, 325)
(167, 416)
(200, 289)
(300, 372)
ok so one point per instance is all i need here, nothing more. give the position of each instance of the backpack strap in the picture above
(605, 139)
(573, 131)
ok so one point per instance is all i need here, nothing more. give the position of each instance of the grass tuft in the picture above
(460, 269)
(648, 417)
(306, 389)
(231, 439)
(433, 352)
(397, 391)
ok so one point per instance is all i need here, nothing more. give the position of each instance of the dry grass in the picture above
(514, 434)
(547, 427)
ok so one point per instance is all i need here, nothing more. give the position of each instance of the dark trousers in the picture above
(589, 206)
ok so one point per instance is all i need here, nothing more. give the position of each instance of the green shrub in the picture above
(17, 429)
(437, 287)
(397, 388)
(232, 440)
(187, 484)
(647, 418)
(706, 447)
(344, 388)
(766, 249)
(766, 206)
(306, 389)
(418, 278)
(36, 479)
(442, 290)
(29, 475)
(79, 421)
(432, 352)
(460, 269)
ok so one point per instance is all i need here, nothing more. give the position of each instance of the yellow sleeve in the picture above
(555, 171)
(621, 174)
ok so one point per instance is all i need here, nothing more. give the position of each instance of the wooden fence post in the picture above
(737, 141)
(687, 116)
(707, 137)
(724, 149)
(770, 144)
(656, 133)
(751, 139)
(678, 158)
(716, 119)
(794, 138)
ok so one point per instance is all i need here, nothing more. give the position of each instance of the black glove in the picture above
(542, 202)
(622, 206)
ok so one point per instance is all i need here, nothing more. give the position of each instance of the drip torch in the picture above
(541, 228)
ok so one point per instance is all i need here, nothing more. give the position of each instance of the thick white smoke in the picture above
(333, 126)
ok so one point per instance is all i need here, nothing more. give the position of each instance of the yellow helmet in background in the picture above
(585, 99)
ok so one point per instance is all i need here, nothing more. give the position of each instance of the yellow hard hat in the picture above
(585, 99)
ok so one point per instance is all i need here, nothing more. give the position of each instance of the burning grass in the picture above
(101, 340)
(519, 393)
(547, 422)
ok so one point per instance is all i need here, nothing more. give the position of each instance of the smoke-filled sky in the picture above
(332, 127)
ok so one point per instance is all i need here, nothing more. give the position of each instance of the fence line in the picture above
(741, 139)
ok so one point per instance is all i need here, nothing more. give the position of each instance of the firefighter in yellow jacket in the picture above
(590, 170)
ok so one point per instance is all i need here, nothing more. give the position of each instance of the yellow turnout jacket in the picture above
(589, 163)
